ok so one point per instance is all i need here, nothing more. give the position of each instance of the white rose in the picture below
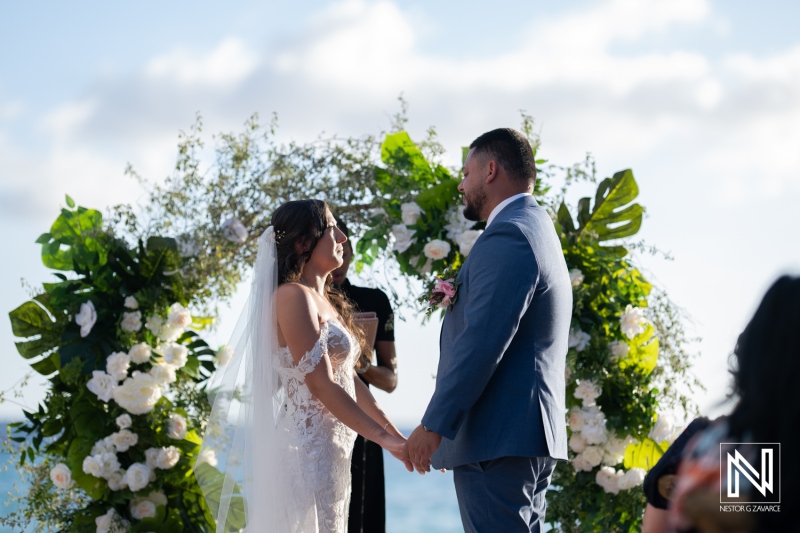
(140, 353)
(163, 373)
(576, 418)
(593, 455)
(177, 427)
(169, 334)
(168, 457)
(138, 476)
(151, 457)
(575, 277)
(111, 522)
(466, 240)
(93, 465)
(207, 456)
(608, 479)
(179, 317)
(124, 439)
(86, 317)
(110, 463)
(124, 421)
(102, 385)
(131, 322)
(588, 391)
(131, 303)
(154, 324)
(117, 365)
(594, 431)
(576, 443)
(138, 394)
(403, 237)
(457, 223)
(224, 356)
(614, 450)
(410, 213)
(102, 446)
(579, 462)
(632, 321)
(578, 339)
(158, 498)
(234, 230)
(61, 476)
(618, 350)
(174, 354)
(142, 508)
(663, 429)
(436, 249)
(116, 481)
(632, 478)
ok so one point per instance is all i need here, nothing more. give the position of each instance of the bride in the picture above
(276, 451)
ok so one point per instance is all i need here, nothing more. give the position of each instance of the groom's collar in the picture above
(503, 204)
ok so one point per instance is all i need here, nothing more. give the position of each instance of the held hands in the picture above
(420, 447)
(394, 444)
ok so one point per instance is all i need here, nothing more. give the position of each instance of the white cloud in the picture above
(226, 66)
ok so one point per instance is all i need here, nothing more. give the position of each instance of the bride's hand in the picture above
(397, 447)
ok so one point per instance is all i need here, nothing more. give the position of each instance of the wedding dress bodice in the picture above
(325, 444)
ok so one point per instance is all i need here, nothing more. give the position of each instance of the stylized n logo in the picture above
(738, 464)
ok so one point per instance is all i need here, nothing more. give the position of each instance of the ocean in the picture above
(414, 503)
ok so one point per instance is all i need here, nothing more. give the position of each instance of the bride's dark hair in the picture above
(304, 222)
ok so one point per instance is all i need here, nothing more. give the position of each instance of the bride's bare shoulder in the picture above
(293, 299)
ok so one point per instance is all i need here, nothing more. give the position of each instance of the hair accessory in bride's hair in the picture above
(279, 234)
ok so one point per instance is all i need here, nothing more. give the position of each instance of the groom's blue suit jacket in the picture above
(500, 383)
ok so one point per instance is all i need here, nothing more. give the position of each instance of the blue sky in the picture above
(700, 98)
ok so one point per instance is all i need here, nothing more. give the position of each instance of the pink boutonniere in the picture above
(442, 293)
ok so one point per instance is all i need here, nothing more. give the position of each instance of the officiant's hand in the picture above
(421, 445)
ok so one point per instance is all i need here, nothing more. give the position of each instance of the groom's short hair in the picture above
(508, 148)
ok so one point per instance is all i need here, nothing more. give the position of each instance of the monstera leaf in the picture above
(76, 231)
(643, 454)
(613, 216)
(400, 152)
(643, 354)
(41, 332)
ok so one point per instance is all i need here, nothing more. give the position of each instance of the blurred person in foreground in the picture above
(766, 365)
(368, 496)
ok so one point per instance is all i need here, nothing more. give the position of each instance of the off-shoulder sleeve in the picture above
(311, 359)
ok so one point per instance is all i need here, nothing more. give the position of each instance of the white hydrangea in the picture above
(618, 350)
(457, 223)
(576, 418)
(663, 428)
(578, 339)
(110, 464)
(111, 522)
(403, 237)
(168, 457)
(208, 456)
(576, 277)
(140, 353)
(576, 443)
(466, 240)
(174, 354)
(410, 213)
(158, 498)
(142, 508)
(138, 394)
(177, 427)
(614, 449)
(124, 439)
(154, 324)
(138, 476)
(234, 231)
(61, 476)
(223, 356)
(436, 249)
(169, 334)
(117, 365)
(588, 391)
(164, 373)
(608, 479)
(593, 455)
(179, 317)
(632, 478)
(116, 481)
(105, 445)
(131, 303)
(594, 426)
(131, 322)
(86, 317)
(580, 463)
(632, 321)
(102, 385)
(124, 421)
(187, 246)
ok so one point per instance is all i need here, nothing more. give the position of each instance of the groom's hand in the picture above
(421, 445)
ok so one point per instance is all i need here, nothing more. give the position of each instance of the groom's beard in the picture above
(474, 205)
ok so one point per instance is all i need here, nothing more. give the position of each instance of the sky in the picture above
(700, 98)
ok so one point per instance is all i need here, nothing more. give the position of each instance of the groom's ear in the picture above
(491, 171)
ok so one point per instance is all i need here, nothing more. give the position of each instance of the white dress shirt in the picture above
(502, 204)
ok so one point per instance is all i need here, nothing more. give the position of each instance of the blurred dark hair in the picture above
(510, 149)
(304, 222)
(767, 367)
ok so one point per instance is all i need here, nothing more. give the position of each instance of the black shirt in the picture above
(365, 300)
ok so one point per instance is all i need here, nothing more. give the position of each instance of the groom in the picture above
(497, 416)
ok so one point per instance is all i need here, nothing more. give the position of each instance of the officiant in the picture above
(367, 500)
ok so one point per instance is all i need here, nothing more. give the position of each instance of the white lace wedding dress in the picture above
(320, 475)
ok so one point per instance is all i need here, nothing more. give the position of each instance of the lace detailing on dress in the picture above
(325, 443)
